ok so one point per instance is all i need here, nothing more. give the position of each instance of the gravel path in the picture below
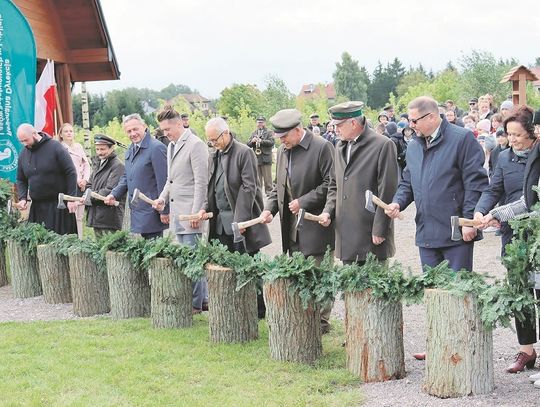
(510, 390)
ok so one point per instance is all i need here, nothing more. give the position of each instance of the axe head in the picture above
(369, 201)
(300, 220)
(87, 197)
(177, 226)
(456, 233)
(61, 204)
(238, 237)
(135, 199)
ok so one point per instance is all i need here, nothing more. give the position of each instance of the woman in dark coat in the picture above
(44, 170)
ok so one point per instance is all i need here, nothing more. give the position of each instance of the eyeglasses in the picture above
(414, 121)
(214, 141)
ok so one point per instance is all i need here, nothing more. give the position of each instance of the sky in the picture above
(209, 45)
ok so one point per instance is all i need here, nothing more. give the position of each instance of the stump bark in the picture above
(128, 286)
(3, 265)
(171, 294)
(459, 351)
(294, 333)
(24, 271)
(232, 314)
(89, 286)
(374, 337)
(54, 273)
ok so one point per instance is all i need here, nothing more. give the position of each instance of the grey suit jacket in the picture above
(187, 179)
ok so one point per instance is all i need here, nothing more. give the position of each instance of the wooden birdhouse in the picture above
(519, 76)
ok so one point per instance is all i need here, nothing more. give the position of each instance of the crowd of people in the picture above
(478, 164)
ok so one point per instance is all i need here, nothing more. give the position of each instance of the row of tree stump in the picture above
(459, 350)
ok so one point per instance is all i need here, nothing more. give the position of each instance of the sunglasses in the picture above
(414, 121)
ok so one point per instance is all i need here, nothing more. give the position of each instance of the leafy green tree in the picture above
(238, 97)
(173, 90)
(413, 77)
(276, 96)
(317, 103)
(350, 80)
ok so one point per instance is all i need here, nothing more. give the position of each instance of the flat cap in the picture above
(285, 120)
(261, 119)
(344, 111)
(473, 100)
(314, 116)
(103, 139)
(388, 107)
(184, 116)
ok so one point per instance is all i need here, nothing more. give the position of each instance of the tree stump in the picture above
(24, 271)
(54, 273)
(89, 286)
(459, 351)
(373, 337)
(294, 333)
(172, 296)
(232, 314)
(3, 266)
(128, 286)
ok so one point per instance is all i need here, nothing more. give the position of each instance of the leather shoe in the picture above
(205, 306)
(420, 356)
(522, 360)
(196, 311)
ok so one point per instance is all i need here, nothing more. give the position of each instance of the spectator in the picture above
(330, 134)
(502, 144)
(506, 108)
(451, 117)
(383, 117)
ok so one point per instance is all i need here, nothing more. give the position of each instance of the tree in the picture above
(240, 96)
(276, 96)
(412, 78)
(173, 90)
(350, 80)
(537, 61)
(385, 81)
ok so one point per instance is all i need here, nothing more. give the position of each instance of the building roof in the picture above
(536, 71)
(513, 74)
(310, 90)
(194, 98)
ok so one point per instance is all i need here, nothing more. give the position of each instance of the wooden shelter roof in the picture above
(513, 74)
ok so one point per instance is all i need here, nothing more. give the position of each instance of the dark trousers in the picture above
(459, 257)
(526, 330)
(153, 235)
(264, 173)
(228, 240)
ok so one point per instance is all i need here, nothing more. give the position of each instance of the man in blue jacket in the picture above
(445, 177)
(145, 169)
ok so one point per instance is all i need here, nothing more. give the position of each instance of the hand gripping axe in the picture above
(139, 196)
(178, 226)
(95, 195)
(302, 214)
(236, 226)
(372, 200)
(64, 197)
(456, 222)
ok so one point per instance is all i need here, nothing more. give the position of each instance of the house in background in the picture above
(311, 90)
(195, 101)
(536, 70)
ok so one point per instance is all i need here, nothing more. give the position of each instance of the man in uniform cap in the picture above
(389, 109)
(314, 122)
(185, 122)
(304, 171)
(261, 142)
(363, 160)
(106, 172)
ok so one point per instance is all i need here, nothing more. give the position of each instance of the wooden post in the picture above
(373, 337)
(232, 314)
(89, 286)
(54, 273)
(459, 351)
(294, 333)
(24, 271)
(3, 266)
(128, 287)
(172, 302)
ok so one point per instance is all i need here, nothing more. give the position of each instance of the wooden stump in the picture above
(459, 351)
(172, 295)
(54, 274)
(294, 333)
(24, 271)
(3, 266)
(232, 314)
(374, 337)
(89, 286)
(128, 286)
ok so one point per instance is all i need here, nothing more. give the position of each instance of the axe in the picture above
(302, 214)
(456, 222)
(236, 226)
(139, 196)
(97, 196)
(64, 197)
(372, 200)
(178, 226)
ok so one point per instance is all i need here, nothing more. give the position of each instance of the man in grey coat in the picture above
(363, 160)
(304, 171)
(185, 189)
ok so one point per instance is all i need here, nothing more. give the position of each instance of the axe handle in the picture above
(208, 215)
(310, 216)
(71, 198)
(144, 198)
(469, 222)
(383, 205)
(95, 195)
(248, 223)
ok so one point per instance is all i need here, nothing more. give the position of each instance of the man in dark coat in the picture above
(262, 142)
(303, 173)
(107, 171)
(44, 170)
(145, 169)
(363, 160)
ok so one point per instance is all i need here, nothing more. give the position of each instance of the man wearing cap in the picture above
(107, 171)
(304, 170)
(314, 121)
(185, 122)
(473, 105)
(389, 109)
(261, 142)
(363, 161)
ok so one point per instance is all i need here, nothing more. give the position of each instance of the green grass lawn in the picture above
(99, 362)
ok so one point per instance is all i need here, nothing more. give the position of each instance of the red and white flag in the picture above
(45, 100)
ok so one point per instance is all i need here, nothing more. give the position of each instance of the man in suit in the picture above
(145, 169)
(262, 142)
(185, 189)
(303, 174)
(363, 160)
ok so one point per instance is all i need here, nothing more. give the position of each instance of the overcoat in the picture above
(266, 145)
(312, 172)
(244, 197)
(372, 165)
(187, 179)
(532, 177)
(145, 169)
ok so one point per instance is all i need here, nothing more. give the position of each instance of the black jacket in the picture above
(532, 175)
(266, 144)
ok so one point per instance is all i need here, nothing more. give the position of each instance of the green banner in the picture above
(17, 83)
